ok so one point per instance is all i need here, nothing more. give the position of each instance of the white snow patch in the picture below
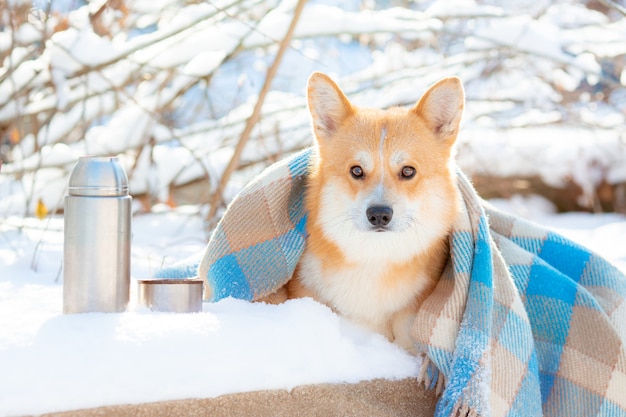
(141, 356)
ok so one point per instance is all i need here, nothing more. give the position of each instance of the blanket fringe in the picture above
(440, 385)
(422, 376)
(464, 410)
(430, 376)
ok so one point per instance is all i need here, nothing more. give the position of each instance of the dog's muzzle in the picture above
(379, 216)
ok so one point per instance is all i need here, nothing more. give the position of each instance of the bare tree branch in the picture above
(615, 6)
(216, 201)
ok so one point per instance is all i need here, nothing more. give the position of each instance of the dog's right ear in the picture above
(328, 105)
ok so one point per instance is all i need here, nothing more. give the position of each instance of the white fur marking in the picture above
(398, 158)
(365, 160)
(381, 148)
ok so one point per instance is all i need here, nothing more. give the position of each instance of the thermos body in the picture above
(97, 236)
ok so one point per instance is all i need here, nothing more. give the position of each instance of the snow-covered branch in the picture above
(169, 87)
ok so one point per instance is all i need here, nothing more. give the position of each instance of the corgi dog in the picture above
(381, 199)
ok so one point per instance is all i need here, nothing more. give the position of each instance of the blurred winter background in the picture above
(185, 94)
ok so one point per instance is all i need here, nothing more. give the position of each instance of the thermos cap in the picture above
(98, 176)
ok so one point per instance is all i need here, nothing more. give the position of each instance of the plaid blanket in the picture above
(523, 322)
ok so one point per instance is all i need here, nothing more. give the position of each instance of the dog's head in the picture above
(383, 173)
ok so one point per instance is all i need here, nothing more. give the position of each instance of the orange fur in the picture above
(379, 274)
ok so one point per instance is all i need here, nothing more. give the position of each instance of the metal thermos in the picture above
(96, 252)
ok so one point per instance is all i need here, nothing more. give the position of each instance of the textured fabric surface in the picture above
(523, 322)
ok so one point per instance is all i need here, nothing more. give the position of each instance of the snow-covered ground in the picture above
(53, 362)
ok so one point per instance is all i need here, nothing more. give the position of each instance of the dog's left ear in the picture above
(442, 106)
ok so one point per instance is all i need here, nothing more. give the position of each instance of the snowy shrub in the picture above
(170, 86)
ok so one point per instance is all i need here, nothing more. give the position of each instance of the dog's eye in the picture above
(407, 173)
(357, 172)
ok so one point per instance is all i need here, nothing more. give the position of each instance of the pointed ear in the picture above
(442, 106)
(328, 105)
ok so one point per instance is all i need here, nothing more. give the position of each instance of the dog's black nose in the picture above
(379, 215)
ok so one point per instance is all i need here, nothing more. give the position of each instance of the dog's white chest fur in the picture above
(361, 291)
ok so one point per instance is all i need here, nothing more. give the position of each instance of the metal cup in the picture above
(171, 295)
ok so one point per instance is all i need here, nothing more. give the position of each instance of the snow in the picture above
(73, 49)
(204, 63)
(232, 346)
(191, 75)
(142, 356)
(585, 156)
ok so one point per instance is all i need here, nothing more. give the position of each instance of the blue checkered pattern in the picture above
(523, 322)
